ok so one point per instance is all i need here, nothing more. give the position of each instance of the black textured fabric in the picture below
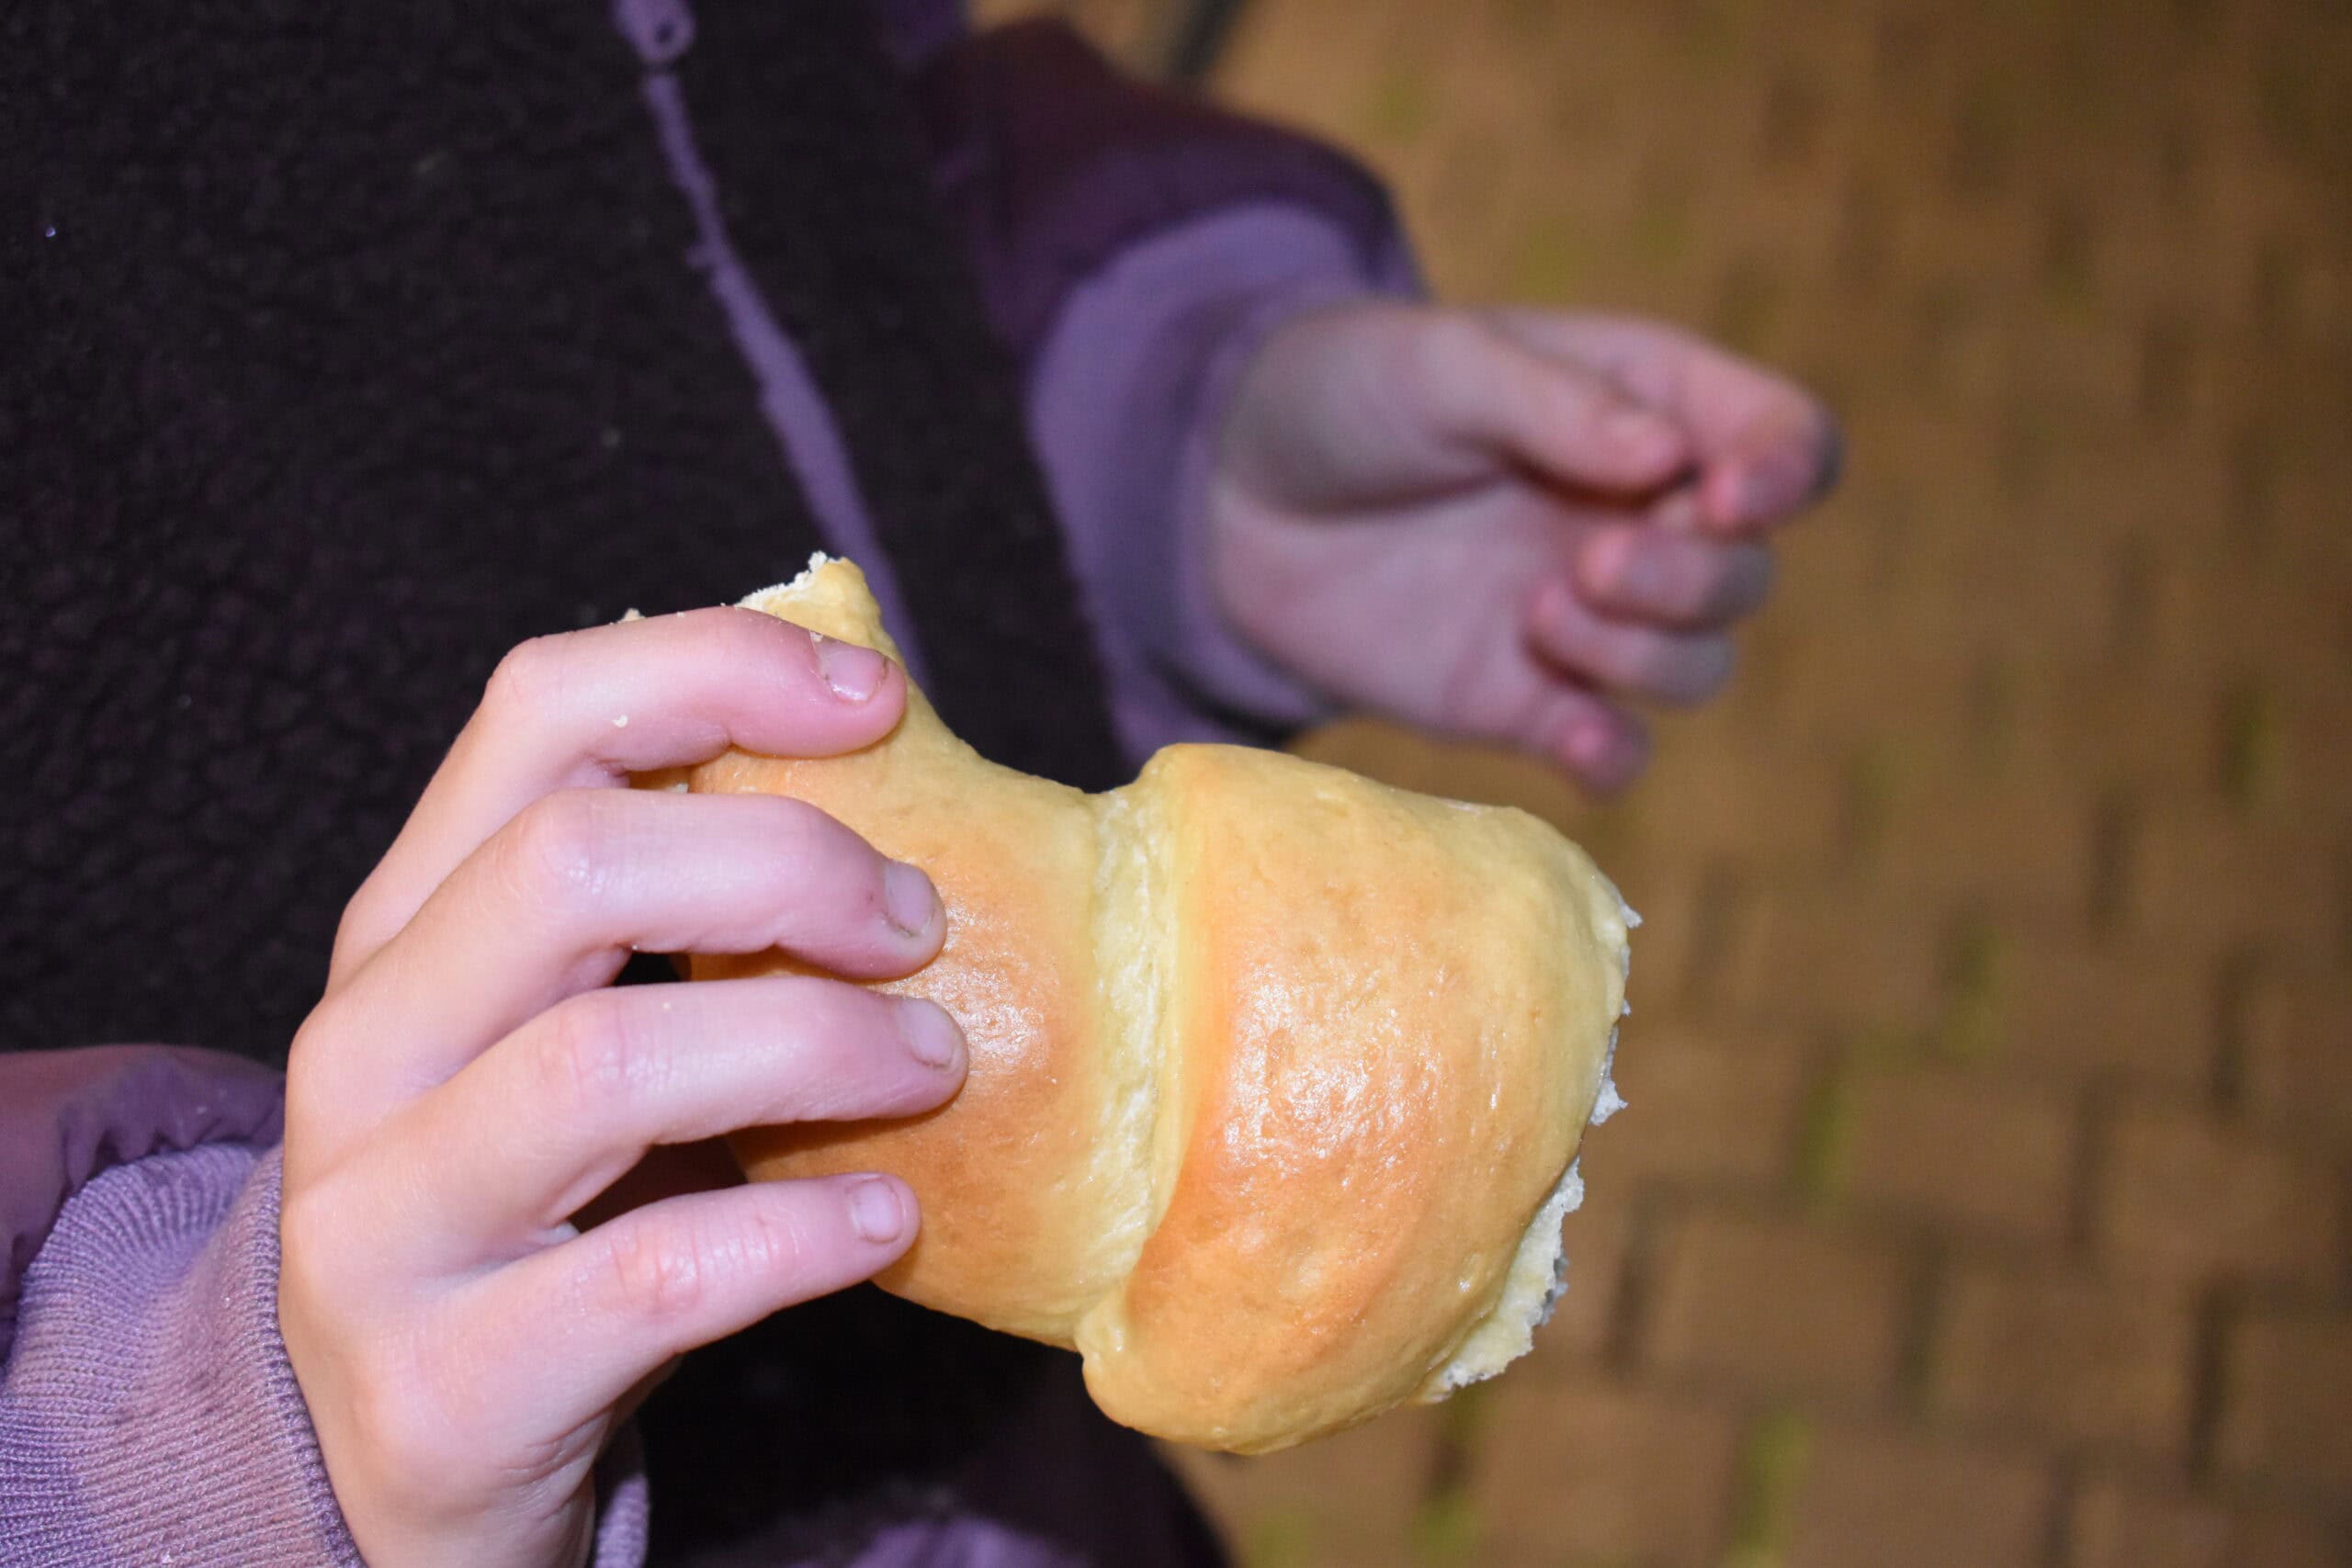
(350, 346)
(870, 282)
(364, 347)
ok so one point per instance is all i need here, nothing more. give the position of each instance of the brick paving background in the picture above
(1987, 1196)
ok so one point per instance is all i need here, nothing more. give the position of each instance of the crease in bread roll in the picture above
(1278, 1076)
(1135, 961)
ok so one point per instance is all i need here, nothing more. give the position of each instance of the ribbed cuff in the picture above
(148, 1413)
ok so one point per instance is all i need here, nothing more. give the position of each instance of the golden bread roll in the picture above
(1277, 1074)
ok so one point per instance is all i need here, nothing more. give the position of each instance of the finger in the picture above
(1672, 579)
(552, 1115)
(588, 708)
(567, 1332)
(1767, 447)
(1681, 668)
(1587, 737)
(1486, 390)
(1774, 475)
(554, 903)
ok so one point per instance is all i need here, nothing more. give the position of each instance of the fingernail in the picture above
(907, 898)
(1587, 744)
(876, 1212)
(931, 1035)
(853, 672)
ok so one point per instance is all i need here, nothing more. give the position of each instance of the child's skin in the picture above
(470, 1081)
(1499, 525)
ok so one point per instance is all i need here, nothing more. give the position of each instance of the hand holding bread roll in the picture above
(1277, 1074)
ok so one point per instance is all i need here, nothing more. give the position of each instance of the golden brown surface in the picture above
(1272, 1065)
(1373, 1106)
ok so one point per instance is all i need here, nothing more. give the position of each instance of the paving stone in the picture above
(1805, 955)
(1880, 1496)
(2069, 1010)
(1962, 1150)
(1772, 1305)
(2117, 1523)
(2287, 1390)
(2183, 1195)
(2296, 1048)
(1706, 1104)
(1954, 841)
(2066, 1356)
(1606, 1470)
(2205, 878)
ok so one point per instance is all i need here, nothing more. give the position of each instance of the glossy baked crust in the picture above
(1277, 1073)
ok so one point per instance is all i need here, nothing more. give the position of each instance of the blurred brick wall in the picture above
(1984, 1196)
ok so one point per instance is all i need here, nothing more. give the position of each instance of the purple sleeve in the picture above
(65, 1116)
(147, 1411)
(1052, 165)
(1134, 247)
(1125, 402)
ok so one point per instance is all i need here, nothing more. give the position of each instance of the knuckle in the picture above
(529, 677)
(357, 925)
(738, 637)
(592, 1053)
(720, 637)
(412, 1440)
(814, 844)
(776, 1244)
(559, 846)
(655, 1273)
(793, 818)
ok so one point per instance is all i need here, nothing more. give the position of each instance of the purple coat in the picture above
(1134, 248)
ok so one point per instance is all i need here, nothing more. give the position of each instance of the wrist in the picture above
(1235, 548)
(1131, 398)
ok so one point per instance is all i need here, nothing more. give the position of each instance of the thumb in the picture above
(1561, 419)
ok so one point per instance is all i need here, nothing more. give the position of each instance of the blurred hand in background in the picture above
(1508, 526)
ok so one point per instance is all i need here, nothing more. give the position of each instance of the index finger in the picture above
(1766, 448)
(588, 708)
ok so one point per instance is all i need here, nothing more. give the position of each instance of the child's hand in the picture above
(470, 1081)
(1494, 523)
